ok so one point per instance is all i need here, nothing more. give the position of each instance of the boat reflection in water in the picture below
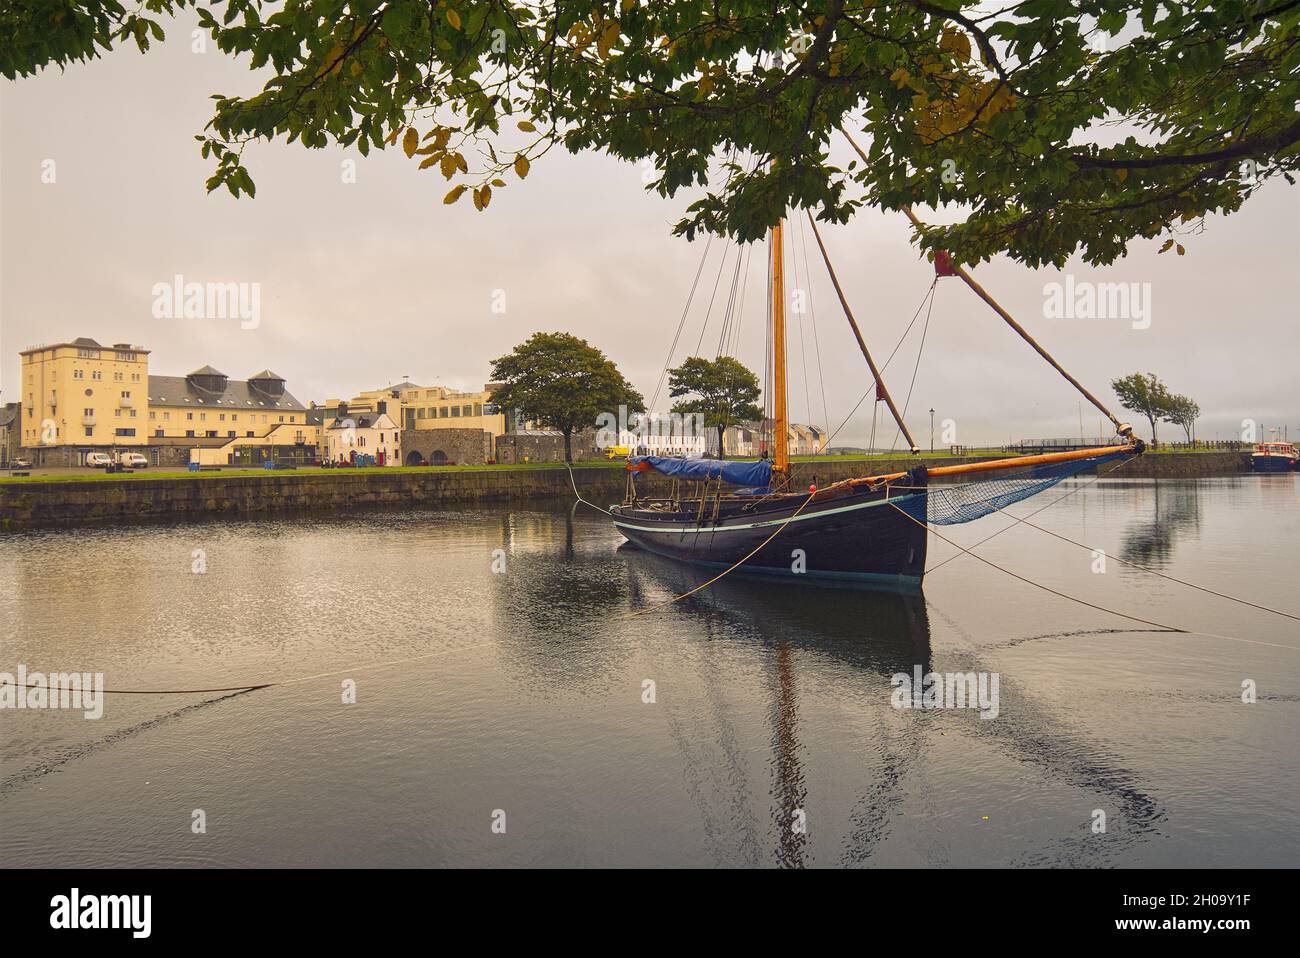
(829, 654)
(850, 633)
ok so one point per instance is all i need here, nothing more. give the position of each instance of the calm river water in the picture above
(518, 696)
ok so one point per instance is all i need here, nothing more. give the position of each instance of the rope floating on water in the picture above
(283, 682)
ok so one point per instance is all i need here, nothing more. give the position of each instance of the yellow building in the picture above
(437, 407)
(82, 397)
(427, 407)
(224, 421)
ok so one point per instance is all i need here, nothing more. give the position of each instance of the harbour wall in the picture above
(36, 504)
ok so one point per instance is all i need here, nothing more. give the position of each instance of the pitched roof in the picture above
(177, 391)
(265, 374)
(206, 371)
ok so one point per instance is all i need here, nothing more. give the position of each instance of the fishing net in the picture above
(949, 505)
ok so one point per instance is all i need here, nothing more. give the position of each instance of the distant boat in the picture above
(868, 529)
(1275, 457)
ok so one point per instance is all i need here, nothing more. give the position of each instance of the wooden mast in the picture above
(781, 425)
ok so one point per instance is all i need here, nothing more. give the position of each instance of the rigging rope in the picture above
(812, 310)
(681, 323)
(917, 367)
(885, 365)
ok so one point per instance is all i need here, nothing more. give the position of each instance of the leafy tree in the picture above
(724, 391)
(1005, 111)
(1145, 394)
(1183, 411)
(561, 382)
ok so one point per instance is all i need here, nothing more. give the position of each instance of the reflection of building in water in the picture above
(1176, 511)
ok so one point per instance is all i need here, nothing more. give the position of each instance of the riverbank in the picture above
(41, 502)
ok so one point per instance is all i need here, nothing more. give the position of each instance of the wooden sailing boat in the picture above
(870, 529)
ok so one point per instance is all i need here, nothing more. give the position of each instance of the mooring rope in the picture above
(282, 682)
(1084, 545)
(728, 571)
(1100, 608)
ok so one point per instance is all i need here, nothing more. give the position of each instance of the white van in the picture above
(98, 460)
(132, 460)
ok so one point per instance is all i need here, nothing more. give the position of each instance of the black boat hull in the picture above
(860, 538)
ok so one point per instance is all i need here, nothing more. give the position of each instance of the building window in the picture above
(90, 431)
(125, 432)
(78, 374)
(478, 409)
(230, 434)
(152, 414)
(189, 433)
(211, 434)
(166, 416)
(189, 415)
(158, 432)
(455, 412)
(95, 374)
(249, 434)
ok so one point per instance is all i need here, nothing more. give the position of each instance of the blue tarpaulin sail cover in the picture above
(737, 473)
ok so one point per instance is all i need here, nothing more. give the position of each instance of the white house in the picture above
(351, 435)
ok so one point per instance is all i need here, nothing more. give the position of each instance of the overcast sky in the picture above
(363, 284)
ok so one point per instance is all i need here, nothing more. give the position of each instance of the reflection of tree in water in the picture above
(549, 598)
(878, 634)
(1176, 511)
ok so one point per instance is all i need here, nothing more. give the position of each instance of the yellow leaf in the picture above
(454, 195)
(900, 77)
(527, 126)
(521, 165)
(355, 69)
(460, 163)
(335, 53)
(478, 200)
(428, 162)
(1168, 243)
(1181, 251)
(1121, 174)
(487, 195)
(498, 183)
(410, 141)
(453, 18)
(448, 166)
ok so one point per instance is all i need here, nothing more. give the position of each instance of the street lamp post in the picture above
(931, 429)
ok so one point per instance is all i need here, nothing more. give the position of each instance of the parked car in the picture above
(132, 460)
(98, 460)
(20, 463)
